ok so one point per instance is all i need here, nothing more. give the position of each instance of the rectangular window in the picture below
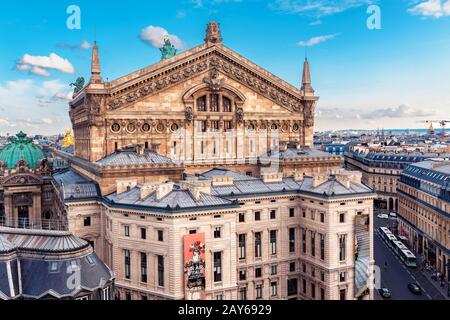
(304, 213)
(241, 217)
(342, 277)
(214, 102)
(342, 218)
(322, 217)
(322, 276)
(161, 271)
(257, 216)
(292, 267)
(217, 266)
(242, 293)
(143, 267)
(143, 233)
(258, 272)
(242, 246)
(322, 294)
(304, 268)
(273, 242)
(106, 294)
(217, 232)
(273, 289)
(342, 294)
(292, 240)
(201, 104)
(160, 235)
(258, 241)
(313, 290)
(291, 212)
(87, 221)
(304, 286)
(313, 243)
(342, 247)
(127, 231)
(322, 246)
(242, 275)
(273, 270)
(292, 287)
(304, 241)
(258, 292)
(127, 256)
(313, 215)
(273, 214)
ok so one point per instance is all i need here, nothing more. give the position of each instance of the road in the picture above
(397, 276)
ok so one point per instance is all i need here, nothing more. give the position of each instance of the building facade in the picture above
(381, 170)
(194, 178)
(424, 206)
(39, 258)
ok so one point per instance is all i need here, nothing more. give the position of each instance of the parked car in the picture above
(393, 215)
(383, 216)
(385, 293)
(414, 288)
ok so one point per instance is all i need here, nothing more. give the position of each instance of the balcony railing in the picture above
(34, 224)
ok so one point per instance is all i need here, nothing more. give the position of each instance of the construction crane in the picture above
(442, 123)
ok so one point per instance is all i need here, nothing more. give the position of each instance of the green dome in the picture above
(21, 148)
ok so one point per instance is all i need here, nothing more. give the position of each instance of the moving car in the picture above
(414, 288)
(393, 215)
(383, 216)
(385, 293)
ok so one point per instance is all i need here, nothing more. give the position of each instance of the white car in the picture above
(383, 216)
(393, 215)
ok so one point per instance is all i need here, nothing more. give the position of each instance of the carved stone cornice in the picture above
(212, 59)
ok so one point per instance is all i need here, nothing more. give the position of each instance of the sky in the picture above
(391, 76)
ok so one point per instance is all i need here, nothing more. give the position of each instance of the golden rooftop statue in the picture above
(68, 139)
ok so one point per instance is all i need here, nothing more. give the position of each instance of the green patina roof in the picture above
(21, 148)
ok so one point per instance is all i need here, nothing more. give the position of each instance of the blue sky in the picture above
(392, 77)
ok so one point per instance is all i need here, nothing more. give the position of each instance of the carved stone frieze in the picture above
(215, 61)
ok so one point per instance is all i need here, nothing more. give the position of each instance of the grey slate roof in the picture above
(177, 198)
(75, 186)
(216, 172)
(39, 251)
(333, 187)
(255, 186)
(295, 154)
(131, 157)
(43, 241)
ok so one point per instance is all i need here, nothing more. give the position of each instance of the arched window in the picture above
(201, 104)
(214, 103)
(226, 103)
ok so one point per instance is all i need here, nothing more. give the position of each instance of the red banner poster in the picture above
(194, 266)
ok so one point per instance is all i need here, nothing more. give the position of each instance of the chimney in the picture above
(155, 147)
(272, 177)
(140, 149)
(125, 185)
(218, 181)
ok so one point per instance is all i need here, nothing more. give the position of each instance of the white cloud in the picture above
(34, 107)
(154, 36)
(316, 40)
(38, 65)
(315, 23)
(202, 3)
(432, 8)
(85, 45)
(317, 8)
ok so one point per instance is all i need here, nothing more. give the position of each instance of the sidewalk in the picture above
(443, 290)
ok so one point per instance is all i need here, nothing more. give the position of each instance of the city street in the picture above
(397, 276)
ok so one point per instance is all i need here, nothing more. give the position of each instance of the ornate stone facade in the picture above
(173, 103)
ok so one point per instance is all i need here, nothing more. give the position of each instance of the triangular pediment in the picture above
(187, 65)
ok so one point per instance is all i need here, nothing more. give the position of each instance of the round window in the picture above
(131, 127)
(146, 127)
(160, 127)
(115, 127)
(295, 127)
(174, 127)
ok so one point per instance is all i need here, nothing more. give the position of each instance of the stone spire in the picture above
(307, 89)
(213, 34)
(95, 65)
